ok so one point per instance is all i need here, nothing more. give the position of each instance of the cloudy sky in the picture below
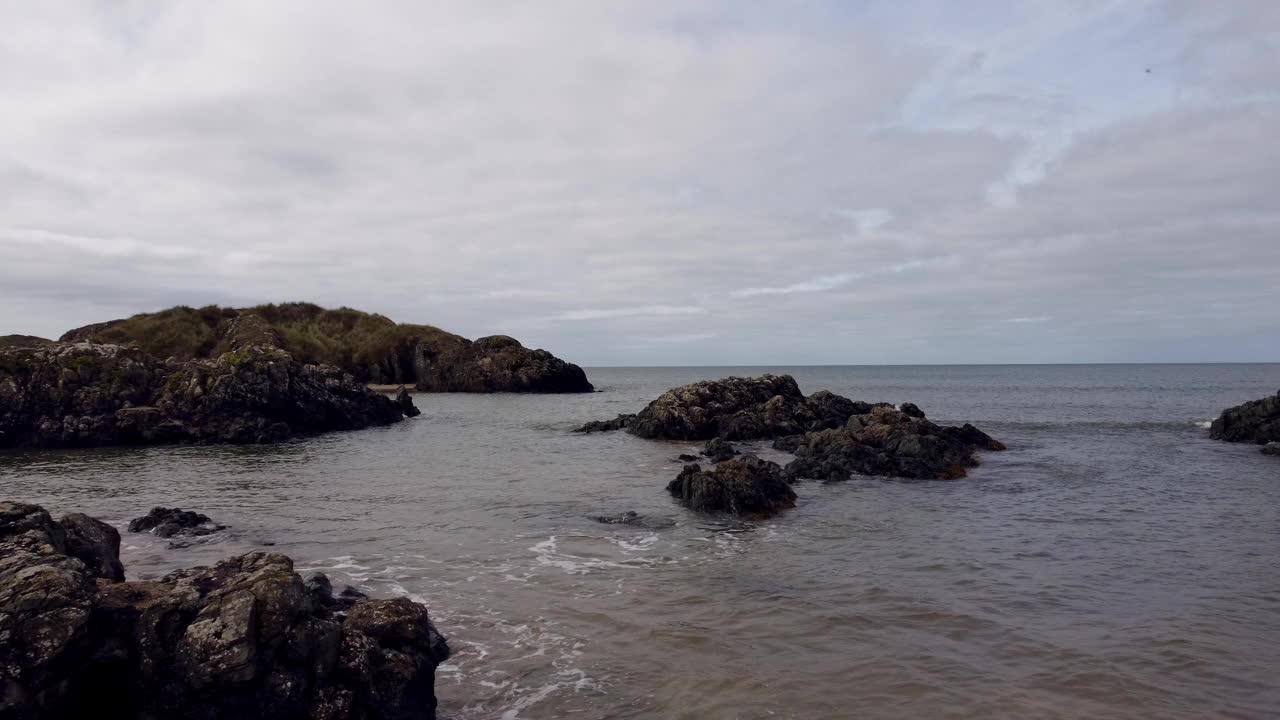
(660, 182)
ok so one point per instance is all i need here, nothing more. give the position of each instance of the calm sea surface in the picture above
(1114, 563)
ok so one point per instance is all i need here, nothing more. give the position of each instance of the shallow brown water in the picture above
(1114, 563)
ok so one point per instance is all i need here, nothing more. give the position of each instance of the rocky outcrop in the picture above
(735, 408)
(718, 450)
(171, 522)
(86, 394)
(94, 543)
(405, 401)
(245, 638)
(370, 347)
(1257, 421)
(890, 442)
(1271, 448)
(745, 485)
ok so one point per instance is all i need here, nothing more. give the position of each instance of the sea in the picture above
(1114, 562)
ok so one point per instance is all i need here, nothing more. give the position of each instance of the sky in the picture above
(652, 182)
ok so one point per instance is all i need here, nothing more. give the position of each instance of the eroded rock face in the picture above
(1257, 421)
(245, 638)
(735, 408)
(745, 485)
(85, 394)
(889, 442)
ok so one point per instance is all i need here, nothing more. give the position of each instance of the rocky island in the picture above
(832, 437)
(246, 638)
(1257, 422)
(371, 348)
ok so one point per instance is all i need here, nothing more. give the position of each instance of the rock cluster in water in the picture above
(245, 638)
(744, 485)
(831, 436)
(1257, 422)
(87, 394)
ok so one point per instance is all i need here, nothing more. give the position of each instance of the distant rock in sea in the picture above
(74, 394)
(735, 408)
(1271, 448)
(832, 436)
(245, 638)
(170, 522)
(718, 450)
(744, 485)
(372, 348)
(1257, 421)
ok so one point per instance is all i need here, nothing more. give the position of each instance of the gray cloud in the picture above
(643, 182)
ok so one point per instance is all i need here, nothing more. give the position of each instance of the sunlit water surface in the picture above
(1114, 563)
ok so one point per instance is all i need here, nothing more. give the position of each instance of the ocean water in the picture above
(1113, 563)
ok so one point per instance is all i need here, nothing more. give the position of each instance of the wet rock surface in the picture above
(245, 638)
(892, 443)
(634, 519)
(172, 522)
(717, 450)
(85, 394)
(745, 485)
(1271, 448)
(1257, 421)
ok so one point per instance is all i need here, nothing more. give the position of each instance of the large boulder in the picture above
(735, 408)
(718, 450)
(891, 443)
(88, 394)
(1257, 421)
(745, 485)
(94, 543)
(245, 638)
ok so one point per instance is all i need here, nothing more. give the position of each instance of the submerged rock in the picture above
(621, 422)
(634, 519)
(893, 443)
(170, 522)
(84, 394)
(735, 408)
(245, 638)
(717, 450)
(745, 485)
(405, 401)
(1257, 421)
(686, 458)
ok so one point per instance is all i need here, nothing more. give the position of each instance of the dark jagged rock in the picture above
(94, 543)
(745, 485)
(370, 347)
(893, 443)
(405, 401)
(911, 410)
(1271, 448)
(85, 394)
(245, 638)
(171, 522)
(687, 458)
(635, 519)
(717, 450)
(621, 422)
(321, 590)
(1257, 421)
(735, 408)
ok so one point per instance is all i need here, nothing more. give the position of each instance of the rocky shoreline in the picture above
(78, 394)
(245, 638)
